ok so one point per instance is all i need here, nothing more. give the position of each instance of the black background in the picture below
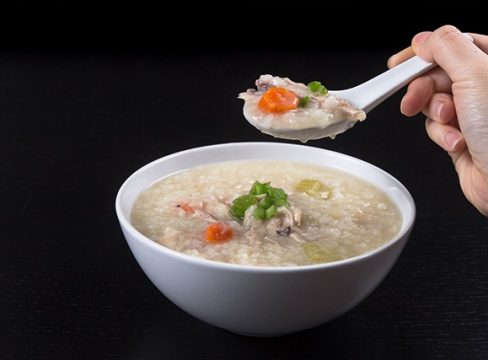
(88, 94)
(183, 27)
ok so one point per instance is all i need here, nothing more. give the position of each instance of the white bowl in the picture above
(262, 301)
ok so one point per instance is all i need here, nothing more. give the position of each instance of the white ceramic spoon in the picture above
(365, 96)
(371, 93)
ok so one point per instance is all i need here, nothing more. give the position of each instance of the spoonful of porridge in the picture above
(289, 110)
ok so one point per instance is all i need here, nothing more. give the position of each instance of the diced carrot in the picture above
(278, 100)
(218, 232)
(186, 208)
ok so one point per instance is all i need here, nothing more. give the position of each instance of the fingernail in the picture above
(451, 139)
(402, 106)
(436, 109)
(388, 63)
(421, 37)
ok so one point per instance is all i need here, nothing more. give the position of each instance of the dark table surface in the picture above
(75, 125)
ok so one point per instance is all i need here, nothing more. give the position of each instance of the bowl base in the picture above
(262, 335)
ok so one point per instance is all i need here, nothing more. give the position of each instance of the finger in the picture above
(441, 109)
(463, 163)
(418, 94)
(441, 82)
(447, 137)
(451, 50)
(400, 57)
(421, 90)
(480, 41)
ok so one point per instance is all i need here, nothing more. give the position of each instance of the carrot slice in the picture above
(218, 233)
(278, 100)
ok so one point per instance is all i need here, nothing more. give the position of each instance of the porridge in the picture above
(266, 213)
(286, 109)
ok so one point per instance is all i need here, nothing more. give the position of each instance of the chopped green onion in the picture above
(271, 211)
(304, 101)
(241, 204)
(266, 198)
(259, 188)
(279, 196)
(259, 213)
(314, 86)
(317, 88)
(266, 202)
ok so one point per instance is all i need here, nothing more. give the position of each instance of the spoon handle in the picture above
(371, 93)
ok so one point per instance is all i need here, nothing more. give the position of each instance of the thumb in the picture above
(452, 51)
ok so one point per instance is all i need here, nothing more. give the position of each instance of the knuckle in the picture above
(446, 32)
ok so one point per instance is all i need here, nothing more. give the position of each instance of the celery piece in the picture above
(313, 188)
(319, 254)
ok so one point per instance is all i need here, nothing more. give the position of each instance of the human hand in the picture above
(454, 97)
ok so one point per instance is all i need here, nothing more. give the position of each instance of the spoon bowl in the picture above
(302, 134)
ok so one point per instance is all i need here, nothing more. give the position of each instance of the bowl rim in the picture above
(126, 224)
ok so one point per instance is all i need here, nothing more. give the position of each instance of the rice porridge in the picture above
(286, 109)
(266, 213)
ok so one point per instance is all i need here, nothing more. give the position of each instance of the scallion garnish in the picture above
(317, 88)
(304, 101)
(266, 198)
(241, 204)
